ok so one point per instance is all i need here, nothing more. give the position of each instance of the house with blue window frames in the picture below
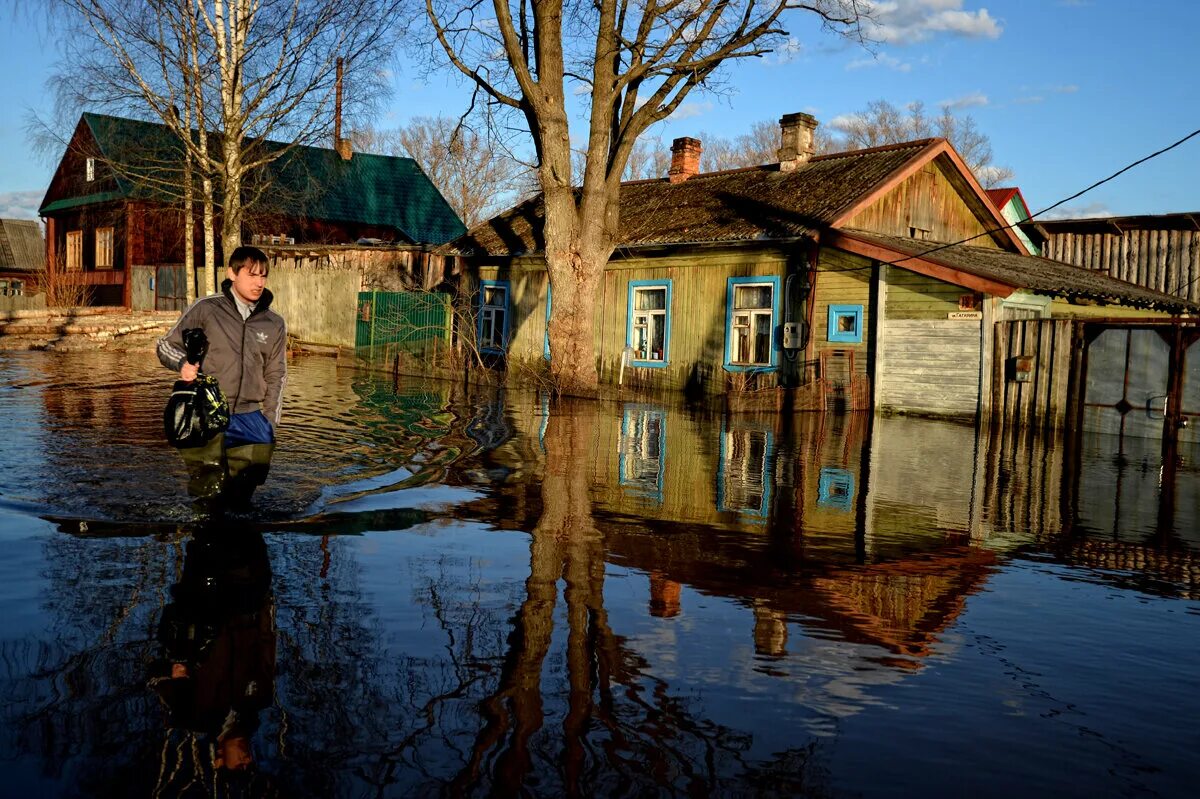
(855, 280)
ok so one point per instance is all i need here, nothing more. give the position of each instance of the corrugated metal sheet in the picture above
(22, 248)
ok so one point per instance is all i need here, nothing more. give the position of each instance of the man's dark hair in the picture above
(246, 256)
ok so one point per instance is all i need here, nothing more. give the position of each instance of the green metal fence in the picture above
(393, 322)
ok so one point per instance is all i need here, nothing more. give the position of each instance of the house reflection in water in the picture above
(799, 520)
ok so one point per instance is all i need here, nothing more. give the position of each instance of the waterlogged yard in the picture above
(443, 592)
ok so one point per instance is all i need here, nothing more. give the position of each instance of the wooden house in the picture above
(870, 278)
(113, 207)
(1161, 251)
(1011, 204)
(22, 254)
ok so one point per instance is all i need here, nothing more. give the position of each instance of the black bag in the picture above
(197, 411)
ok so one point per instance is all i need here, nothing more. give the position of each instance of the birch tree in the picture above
(633, 64)
(257, 75)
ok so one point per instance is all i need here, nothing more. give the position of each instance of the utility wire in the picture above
(1076, 195)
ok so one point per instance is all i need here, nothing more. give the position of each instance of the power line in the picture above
(1076, 195)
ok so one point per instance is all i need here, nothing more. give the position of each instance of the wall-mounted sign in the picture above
(967, 315)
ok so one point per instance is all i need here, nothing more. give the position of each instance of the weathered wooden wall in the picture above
(928, 201)
(843, 279)
(930, 366)
(1042, 403)
(1165, 260)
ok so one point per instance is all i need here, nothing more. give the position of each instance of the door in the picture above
(170, 290)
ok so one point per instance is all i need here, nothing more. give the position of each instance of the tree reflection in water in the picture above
(623, 730)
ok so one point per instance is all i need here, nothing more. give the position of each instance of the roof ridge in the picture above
(915, 144)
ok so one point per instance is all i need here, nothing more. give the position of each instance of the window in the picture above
(845, 324)
(744, 479)
(493, 315)
(104, 248)
(90, 170)
(752, 307)
(643, 442)
(16, 288)
(75, 249)
(648, 329)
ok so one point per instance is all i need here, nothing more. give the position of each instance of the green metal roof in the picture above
(312, 182)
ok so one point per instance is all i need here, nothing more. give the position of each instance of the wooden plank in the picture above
(1193, 292)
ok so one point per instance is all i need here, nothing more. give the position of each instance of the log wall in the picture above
(1164, 260)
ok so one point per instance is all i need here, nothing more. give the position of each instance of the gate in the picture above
(1140, 419)
(390, 322)
(170, 288)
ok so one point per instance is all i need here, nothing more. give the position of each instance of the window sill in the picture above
(648, 364)
(760, 368)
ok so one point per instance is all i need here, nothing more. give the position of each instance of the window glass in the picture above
(753, 296)
(649, 322)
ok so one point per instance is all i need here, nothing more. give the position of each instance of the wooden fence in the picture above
(1044, 401)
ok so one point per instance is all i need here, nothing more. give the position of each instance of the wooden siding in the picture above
(696, 350)
(1043, 402)
(843, 279)
(1165, 260)
(930, 366)
(914, 296)
(930, 201)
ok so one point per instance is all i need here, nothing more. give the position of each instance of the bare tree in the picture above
(260, 75)
(475, 172)
(883, 123)
(633, 64)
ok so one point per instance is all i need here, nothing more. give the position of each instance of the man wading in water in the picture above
(247, 354)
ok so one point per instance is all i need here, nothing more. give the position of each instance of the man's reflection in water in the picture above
(217, 636)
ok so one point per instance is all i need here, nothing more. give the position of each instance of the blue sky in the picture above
(1068, 90)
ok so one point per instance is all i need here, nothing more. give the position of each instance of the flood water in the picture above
(444, 592)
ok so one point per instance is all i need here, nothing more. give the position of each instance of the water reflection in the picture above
(216, 670)
(468, 592)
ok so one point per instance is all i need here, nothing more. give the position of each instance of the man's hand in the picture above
(189, 371)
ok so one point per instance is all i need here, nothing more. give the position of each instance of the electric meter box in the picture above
(793, 336)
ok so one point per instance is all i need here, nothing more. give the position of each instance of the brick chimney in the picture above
(342, 146)
(685, 159)
(796, 140)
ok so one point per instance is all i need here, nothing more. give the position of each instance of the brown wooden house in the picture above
(114, 204)
(870, 278)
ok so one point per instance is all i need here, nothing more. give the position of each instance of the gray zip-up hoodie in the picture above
(247, 356)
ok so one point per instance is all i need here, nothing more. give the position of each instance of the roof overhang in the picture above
(921, 264)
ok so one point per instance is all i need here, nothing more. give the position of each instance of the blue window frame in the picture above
(835, 489)
(745, 471)
(845, 324)
(648, 322)
(643, 450)
(493, 315)
(751, 319)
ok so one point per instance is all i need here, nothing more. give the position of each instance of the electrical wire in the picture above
(1048, 208)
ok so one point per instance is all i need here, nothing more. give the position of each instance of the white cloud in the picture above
(20, 204)
(789, 51)
(688, 110)
(881, 60)
(972, 100)
(1089, 211)
(910, 21)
